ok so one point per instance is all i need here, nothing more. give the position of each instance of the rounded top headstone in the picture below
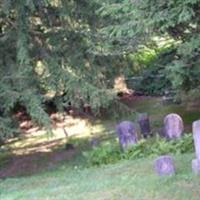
(127, 134)
(164, 165)
(173, 126)
(126, 123)
(173, 116)
(126, 128)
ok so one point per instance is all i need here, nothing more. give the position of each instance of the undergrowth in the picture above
(110, 152)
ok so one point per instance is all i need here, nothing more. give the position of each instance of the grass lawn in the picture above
(133, 179)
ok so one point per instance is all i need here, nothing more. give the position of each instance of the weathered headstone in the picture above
(127, 134)
(144, 125)
(173, 126)
(196, 137)
(196, 166)
(164, 166)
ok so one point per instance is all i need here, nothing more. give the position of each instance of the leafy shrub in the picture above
(154, 82)
(154, 79)
(111, 153)
(104, 154)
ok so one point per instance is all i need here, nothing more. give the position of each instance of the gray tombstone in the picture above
(173, 126)
(196, 166)
(127, 134)
(164, 166)
(196, 137)
(144, 125)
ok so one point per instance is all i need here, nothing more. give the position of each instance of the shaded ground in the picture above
(37, 151)
(23, 165)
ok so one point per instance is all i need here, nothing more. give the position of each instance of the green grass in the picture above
(133, 179)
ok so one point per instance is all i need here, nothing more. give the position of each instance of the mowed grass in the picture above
(133, 179)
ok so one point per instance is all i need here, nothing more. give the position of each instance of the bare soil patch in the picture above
(25, 165)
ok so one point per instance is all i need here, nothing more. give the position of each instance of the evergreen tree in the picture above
(75, 49)
(49, 46)
(136, 23)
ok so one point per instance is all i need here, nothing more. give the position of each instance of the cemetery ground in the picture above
(125, 180)
(40, 166)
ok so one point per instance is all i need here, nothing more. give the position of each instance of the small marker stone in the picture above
(164, 166)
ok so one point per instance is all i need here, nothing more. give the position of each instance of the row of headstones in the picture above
(164, 165)
(173, 129)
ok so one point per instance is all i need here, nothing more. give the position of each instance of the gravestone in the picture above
(196, 166)
(164, 166)
(144, 125)
(196, 137)
(127, 134)
(173, 126)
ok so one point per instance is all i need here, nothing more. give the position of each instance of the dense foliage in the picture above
(110, 152)
(47, 49)
(143, 21)
(74, 50)
(152, 78)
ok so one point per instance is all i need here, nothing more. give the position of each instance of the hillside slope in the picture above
(134, 180)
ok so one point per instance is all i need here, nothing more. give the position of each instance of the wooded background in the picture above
(72, 51)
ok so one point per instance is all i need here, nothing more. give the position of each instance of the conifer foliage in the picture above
(135, 23)
(47, 47)
(74, 49)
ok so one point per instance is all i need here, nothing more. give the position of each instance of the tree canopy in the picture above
(139, 22)
(47, 47)
(76, 48)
